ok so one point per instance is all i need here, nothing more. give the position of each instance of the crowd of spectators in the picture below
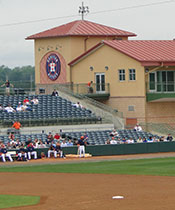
(114, 138)
(27, 149)
(21, 107)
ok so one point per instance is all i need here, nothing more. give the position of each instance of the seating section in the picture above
(94, 137)
(23, 137)
(132, 134)
(50, 110)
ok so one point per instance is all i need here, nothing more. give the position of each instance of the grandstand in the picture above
(95, 137)
(50, 110)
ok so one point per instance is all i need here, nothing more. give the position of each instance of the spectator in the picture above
(144, 140)
(107, 141)
(139, 140)
(41, 144)
(90, 88)
(162, 138)
(16, 125)
(124, 141)
(9, 109)
(78, 105)
(64, 144)
(114, 133)
(113, 141)
(35, 101)
(138, 127)
(54, 93)
(57, 136)
(11, 136)
(7, 85)
(25, 107)
(1, 108)
(26, 101)
(69, 143)
(50, 138)
(19, 107)
(169, 137)
(130, 141)
(150, 139)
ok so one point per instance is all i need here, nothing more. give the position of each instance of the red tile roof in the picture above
(81, 28)
(148, 52)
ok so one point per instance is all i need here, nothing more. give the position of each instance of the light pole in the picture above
(83, 10)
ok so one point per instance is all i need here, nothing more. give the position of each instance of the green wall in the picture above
(121, 149)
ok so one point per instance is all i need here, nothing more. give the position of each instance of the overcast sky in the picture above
(148, 22)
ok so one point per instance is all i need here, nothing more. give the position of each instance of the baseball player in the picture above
(59, 150)
(30, 149)
(52, 150)
(81, 146)
(22, 154)
(3, 154)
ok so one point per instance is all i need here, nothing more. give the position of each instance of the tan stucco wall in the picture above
(44, 46)
(68, 47)
(107, 56)
(122, 104)
(160, 112)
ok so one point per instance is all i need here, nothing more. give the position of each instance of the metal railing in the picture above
(160, 87)
(18, 87)
(84, 89)
(97, 107)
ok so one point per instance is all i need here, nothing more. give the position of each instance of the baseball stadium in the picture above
(96, 130)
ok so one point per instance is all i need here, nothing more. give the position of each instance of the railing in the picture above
(99, 108)
(18, 87)
(83, 88)
(160, 87)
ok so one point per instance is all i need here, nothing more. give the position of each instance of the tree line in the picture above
(19, 76)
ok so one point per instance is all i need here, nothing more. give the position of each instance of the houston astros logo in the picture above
(53, 67)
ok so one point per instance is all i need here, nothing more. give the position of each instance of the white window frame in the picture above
(132, 74)
(121, 75)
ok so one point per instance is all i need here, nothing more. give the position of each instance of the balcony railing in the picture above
(160, 90)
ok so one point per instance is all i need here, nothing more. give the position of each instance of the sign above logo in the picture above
(53, 67)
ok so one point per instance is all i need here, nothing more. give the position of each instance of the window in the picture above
(130, 108)
(132, 74)
(121, 74)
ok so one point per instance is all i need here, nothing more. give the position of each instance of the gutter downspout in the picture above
(85, 44)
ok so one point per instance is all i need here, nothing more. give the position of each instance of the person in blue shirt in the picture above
(144, 140)
(69, 143)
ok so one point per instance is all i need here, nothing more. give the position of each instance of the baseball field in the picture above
(144, 184)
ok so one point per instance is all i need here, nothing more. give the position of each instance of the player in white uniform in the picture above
(4, 154)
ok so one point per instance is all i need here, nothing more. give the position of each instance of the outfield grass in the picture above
(156, 166)
(7, 201)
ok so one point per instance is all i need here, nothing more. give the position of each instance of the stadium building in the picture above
(135, 77)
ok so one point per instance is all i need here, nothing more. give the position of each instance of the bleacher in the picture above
(50, 110)
(94, 137)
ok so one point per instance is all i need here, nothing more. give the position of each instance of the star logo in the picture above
(53, 67)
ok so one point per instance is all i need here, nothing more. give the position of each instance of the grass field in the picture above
(7, 201)
(156, 166)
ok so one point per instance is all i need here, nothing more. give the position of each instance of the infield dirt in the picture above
(60, 191)
(91, 191)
